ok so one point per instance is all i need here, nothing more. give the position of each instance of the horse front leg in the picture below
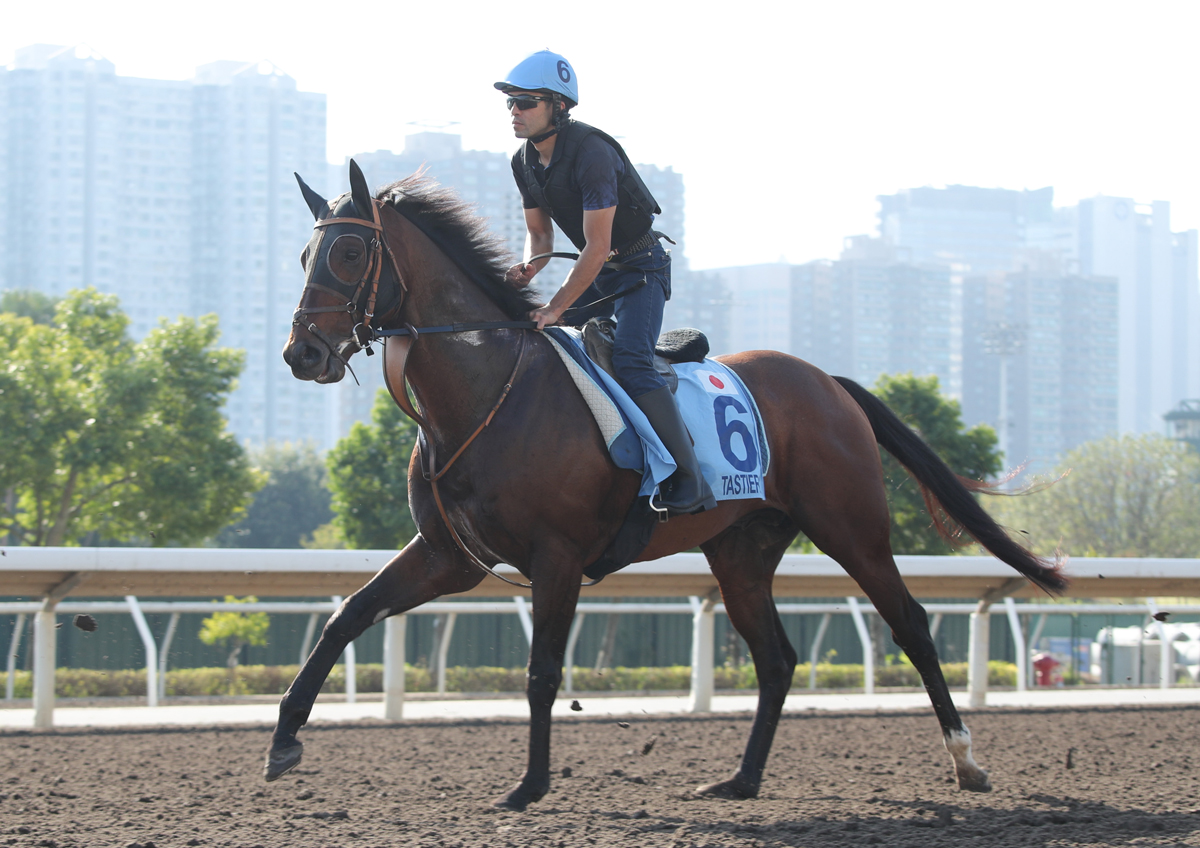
(416, 575)
(555, 593)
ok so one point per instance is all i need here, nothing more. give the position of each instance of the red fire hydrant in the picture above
(1047, 670)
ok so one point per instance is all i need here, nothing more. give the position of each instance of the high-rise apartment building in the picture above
(873, 312)
(870, 312)
(1159, 303)
(979, 229)
(985, 231)
(252, 129)
(759, 306)
(1057, 338)
(482, 178)
(176, 196)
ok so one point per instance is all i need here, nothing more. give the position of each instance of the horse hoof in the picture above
(974, 781)
(518, 798)
(734, 789)
(282, 760)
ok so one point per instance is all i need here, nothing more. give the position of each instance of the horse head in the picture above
(349, 278)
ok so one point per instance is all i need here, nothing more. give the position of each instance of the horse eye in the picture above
(351, 255)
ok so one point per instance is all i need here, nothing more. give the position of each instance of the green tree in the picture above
(292, 505)
(235, 630)
(118, 439)
(368, 474)
(938, 420)
(30, 304)
(1121, 496)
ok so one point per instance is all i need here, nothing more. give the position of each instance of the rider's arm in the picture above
(539, 239)
(597, 229)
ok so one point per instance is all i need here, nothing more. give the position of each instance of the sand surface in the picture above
(847, 779)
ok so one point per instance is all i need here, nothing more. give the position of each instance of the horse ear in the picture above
(359, 193)
(315, 202)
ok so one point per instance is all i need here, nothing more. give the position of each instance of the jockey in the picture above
(578, 177)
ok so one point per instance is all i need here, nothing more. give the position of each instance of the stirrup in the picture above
(663, 513)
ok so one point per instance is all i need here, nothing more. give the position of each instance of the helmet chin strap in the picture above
(559, 120)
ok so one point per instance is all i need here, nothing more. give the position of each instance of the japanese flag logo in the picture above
(717, 384)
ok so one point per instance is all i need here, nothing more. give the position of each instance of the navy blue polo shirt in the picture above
(598, 167)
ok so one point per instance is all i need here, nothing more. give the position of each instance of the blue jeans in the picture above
(638, 316)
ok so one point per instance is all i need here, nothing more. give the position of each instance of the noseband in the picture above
(366, 286)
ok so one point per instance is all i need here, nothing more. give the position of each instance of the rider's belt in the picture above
(644, 243)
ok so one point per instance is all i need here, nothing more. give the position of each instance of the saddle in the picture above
(682, 345)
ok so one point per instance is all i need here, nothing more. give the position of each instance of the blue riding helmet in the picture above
(543, 71)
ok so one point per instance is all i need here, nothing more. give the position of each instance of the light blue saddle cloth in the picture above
(719, 412)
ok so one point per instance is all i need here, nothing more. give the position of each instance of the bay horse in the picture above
(537, 489)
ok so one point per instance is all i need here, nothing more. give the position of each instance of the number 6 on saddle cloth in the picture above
(719, 411)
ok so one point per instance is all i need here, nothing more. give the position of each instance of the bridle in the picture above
(367, 286)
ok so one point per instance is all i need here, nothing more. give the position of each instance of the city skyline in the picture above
(1018, 96)
(224, 143)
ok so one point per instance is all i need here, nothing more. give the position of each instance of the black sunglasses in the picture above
(526, 101)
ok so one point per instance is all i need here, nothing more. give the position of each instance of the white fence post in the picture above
(172, 624)
(703, 629)
(815, 653)
(526, 619)
(143, 630)
(444, 649)
(309, 631)
(572, 641)
(393, 666)
(14, 645)
(1018, 637)
(868, 649)
(1166, 653)
(349, 657)
(977, 655)
(1033, 641)
(44, 648)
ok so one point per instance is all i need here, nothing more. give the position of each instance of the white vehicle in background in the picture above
(1131, 655)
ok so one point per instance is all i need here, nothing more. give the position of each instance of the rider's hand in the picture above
(519, 275)
(545, 316)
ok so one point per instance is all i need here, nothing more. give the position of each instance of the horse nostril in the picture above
(310, 355)
(301, 355)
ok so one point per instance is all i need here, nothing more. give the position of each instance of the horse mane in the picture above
(464, 236)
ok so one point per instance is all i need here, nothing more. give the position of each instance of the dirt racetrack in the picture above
(834, 779)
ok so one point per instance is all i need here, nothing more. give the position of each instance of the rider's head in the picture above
(542, 89)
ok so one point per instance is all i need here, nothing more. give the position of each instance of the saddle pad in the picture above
(719, 412)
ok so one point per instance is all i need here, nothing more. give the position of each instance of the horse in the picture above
(531, 482)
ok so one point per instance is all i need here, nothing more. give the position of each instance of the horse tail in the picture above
(948, 495)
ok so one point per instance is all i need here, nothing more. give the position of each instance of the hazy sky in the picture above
(786, 119)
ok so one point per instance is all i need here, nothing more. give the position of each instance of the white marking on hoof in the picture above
(381, 615)
(970, 776)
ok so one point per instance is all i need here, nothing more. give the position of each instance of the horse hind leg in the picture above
(910, 630)
(743, 559)
(882, 583)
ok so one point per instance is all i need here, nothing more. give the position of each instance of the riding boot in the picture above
(685, 492)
